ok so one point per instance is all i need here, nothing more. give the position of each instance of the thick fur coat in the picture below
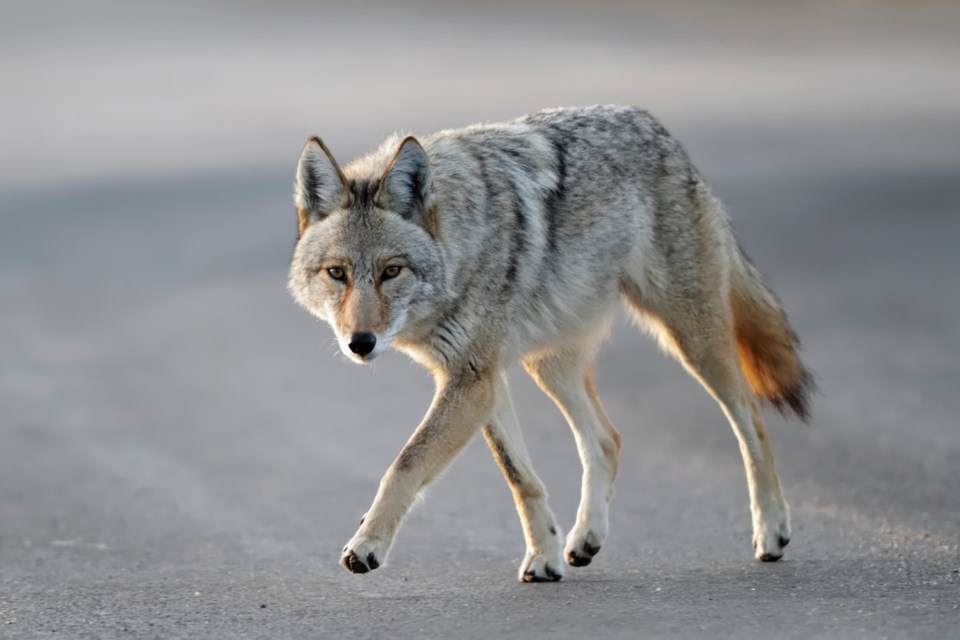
(477, 248)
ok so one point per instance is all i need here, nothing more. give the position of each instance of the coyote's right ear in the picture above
(320, 184)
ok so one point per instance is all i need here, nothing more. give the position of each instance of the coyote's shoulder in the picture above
(476, 248)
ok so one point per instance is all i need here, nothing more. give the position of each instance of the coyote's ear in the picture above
(320, 183)
(405, 186)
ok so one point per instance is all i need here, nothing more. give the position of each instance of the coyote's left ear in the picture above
(320, 185)
(405, 186)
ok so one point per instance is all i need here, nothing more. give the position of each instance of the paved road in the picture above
(184, 452)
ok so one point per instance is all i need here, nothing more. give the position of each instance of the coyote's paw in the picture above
(771, 535)
(582, 544)
(539, 566)
(362, 554)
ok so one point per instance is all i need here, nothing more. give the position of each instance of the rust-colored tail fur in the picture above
(766, 344)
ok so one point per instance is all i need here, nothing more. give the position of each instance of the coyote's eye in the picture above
(336, 273)
(391, 272)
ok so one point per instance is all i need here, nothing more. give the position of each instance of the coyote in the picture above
(477, 248)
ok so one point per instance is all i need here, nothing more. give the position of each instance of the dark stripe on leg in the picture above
(500, 455)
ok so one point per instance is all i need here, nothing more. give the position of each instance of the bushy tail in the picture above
(766, 344)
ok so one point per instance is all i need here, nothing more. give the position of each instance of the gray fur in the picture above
(516, 240)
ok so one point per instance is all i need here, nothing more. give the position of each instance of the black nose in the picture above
(362, 343)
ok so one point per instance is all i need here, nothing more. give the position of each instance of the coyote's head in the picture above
(367, 260)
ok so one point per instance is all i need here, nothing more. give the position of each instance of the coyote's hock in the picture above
(476, 248)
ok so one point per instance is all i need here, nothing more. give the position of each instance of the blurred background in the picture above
(181, 444)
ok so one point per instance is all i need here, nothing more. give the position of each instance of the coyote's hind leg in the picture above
(701, 337)
(718, 371)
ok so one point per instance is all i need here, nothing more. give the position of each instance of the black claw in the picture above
(363, 519)
(584, 557)
(784, 541)
(553, 530)
(353, 564)
(552, 576)
(372, 561)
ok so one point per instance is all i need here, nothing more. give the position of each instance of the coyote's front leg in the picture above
(462, 403)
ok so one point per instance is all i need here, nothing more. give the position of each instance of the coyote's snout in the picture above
(362, 320)
(475, 249)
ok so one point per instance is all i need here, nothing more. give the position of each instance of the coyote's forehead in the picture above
(360, 236)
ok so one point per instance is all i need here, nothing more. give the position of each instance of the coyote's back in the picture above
(476, 248)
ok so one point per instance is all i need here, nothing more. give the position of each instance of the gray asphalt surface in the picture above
(184, 452)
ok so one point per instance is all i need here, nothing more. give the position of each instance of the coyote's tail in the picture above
(766, 344)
